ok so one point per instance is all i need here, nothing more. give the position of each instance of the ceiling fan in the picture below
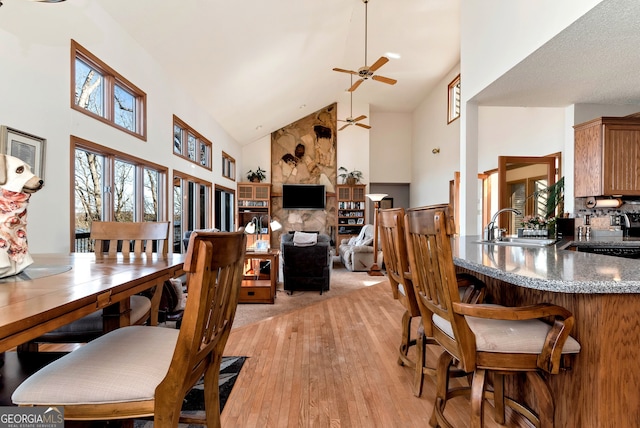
(367, 72)
(351, 120)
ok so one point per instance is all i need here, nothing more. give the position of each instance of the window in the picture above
(228, 167)
(113, 186)
(225, 209)
(453, 106)
(100, 92)
(191, 207)
(190, 145)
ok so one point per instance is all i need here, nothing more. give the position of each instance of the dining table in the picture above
(60, 288)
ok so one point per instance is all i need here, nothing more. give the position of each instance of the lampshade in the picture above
(376, 197)
(250, 228)
(275, 225)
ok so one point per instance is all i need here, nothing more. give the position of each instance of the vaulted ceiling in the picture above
(257, 66)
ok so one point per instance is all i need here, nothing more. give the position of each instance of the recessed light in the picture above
(259, 127)
(392, 55)
(302, 106)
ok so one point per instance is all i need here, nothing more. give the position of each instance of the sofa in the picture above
(356, 253)
(306, 261)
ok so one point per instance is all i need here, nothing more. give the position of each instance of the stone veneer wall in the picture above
(305, 152)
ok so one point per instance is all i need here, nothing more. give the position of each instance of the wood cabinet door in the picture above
(621, 160)
(588, 160)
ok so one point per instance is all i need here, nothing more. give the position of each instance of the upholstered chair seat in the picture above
(506, 336)
(121, 370)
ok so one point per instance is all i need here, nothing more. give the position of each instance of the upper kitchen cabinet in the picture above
(607, 157)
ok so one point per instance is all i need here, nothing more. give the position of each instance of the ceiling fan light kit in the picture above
(351, 120)
(368, 72)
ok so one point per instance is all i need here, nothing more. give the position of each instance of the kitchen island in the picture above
(603, 293)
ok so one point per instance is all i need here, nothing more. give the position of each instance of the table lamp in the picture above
(255, 227)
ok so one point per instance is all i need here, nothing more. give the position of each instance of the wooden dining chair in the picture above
(131, 241)
(392, 237)
(481, 338)
(144, 371)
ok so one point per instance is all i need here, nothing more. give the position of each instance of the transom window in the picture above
(113, 186)
(189, 144)
(100, 92)
(228, 167)
(453, 106)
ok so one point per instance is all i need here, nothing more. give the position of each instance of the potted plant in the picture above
(256, 176)
(352, 177)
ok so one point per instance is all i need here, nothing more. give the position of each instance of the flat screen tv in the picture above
(303, 196)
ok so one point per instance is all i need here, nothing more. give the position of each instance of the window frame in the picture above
(188, 131)
(198, 212)
(111, 79)
(453, 100)
(228, 167)
(111, 156)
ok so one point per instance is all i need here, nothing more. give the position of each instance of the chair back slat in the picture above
(213, 263)
(429, 231)
(394, 249)
(112, 237)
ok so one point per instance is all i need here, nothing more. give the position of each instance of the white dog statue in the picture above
(17, 183)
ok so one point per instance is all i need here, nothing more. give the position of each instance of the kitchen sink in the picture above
(521, 242)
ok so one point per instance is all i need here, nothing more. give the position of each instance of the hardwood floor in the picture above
(332, 364)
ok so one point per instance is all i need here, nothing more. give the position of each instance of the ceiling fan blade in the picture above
(359, 118)
(355, 85)
(342, 70)
(385, 80)
(363, 125)
(340, 120)
(344, 126)
(379, 63)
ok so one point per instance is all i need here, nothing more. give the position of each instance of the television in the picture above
(303, 196)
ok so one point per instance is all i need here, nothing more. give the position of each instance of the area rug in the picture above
(194, 401)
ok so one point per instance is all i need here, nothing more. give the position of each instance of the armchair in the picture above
(306, 267)
(356, 254)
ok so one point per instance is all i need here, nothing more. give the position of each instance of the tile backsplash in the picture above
(600, 218)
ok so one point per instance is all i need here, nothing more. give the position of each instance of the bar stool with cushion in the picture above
(392, 236)
(141, 371)
(483, 338)
(131, 241)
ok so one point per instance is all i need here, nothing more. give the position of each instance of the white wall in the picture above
(390, 153)
(35, 88)
(516, 131)
(431, 173)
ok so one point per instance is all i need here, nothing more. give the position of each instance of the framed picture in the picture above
(352, 221)
(386, 203)
(360, 221)
(29, 148)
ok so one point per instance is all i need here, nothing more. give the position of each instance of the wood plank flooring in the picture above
(331, 364)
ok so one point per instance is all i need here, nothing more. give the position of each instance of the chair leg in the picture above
(498, 397)
(406, 338)
(477, 398)
(212, 392)
(546, 413)
(421, 355)
(442, 389)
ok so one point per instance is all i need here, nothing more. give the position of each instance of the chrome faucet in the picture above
(490, 230)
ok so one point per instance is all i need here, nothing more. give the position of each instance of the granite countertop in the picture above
(552, 268)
